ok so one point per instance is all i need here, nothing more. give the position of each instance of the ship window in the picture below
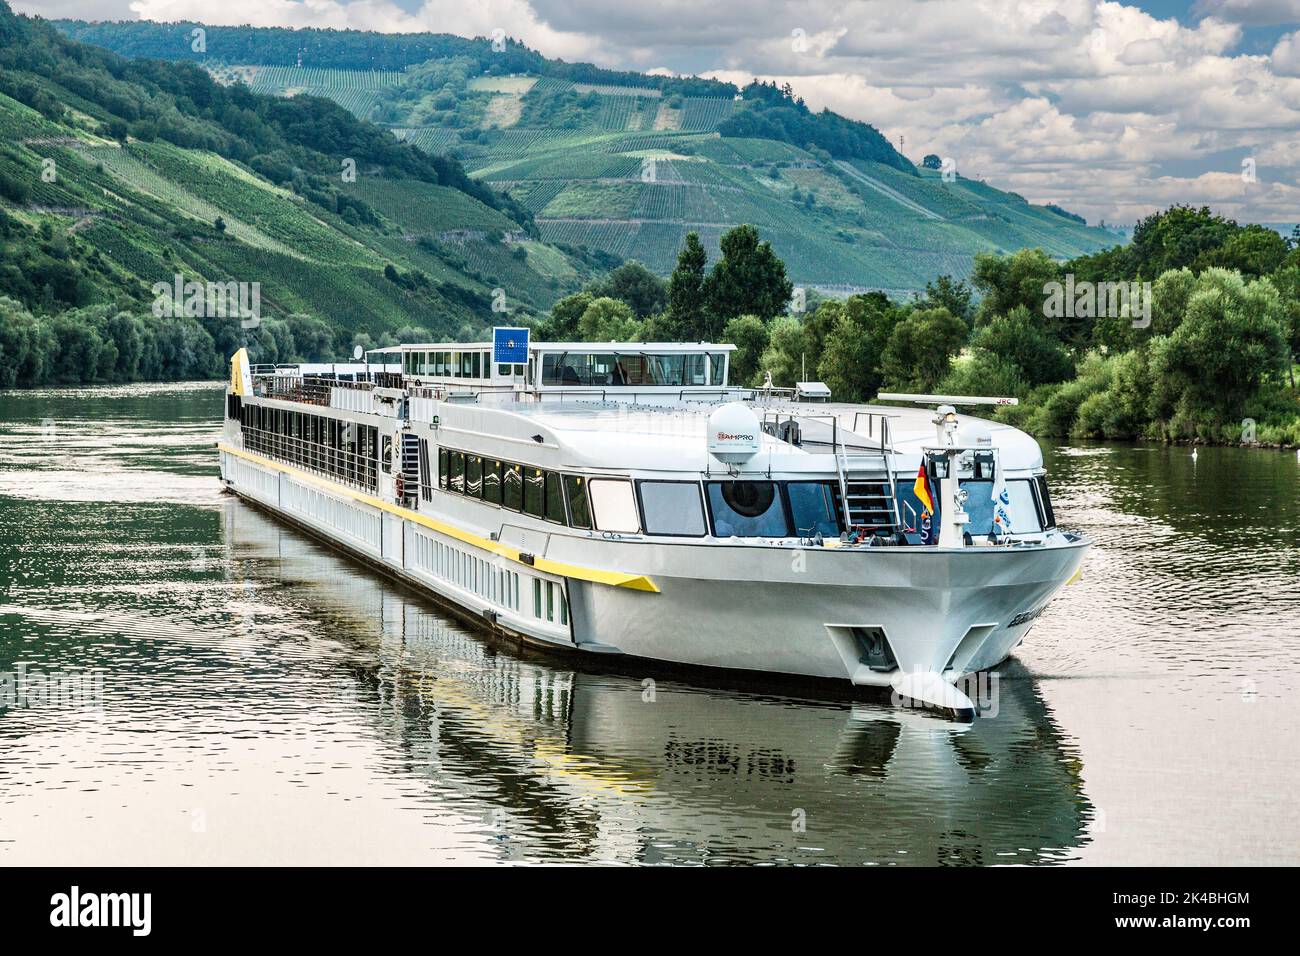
(534, 492)
(477, 366)
(717, 368)
(514, 487)
(1045, 501)
(444, 468)
(672, 507)
(579, 510)
(612, 505)
(426, 488)
(458, 472)
(537, 597)
(503, 370)
(1024, 510)
(747, 508)
(812, 506)
(473, 476)
(492, 481)
(554, 498)
(979, 505)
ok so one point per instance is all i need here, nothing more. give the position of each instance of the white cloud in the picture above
(1286, 55)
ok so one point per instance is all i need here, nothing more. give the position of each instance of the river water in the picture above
(227, 690)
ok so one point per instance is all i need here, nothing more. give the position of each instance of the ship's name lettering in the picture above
(1027, 616)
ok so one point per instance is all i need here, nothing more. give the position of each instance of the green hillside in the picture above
(116, 175)
(627, 164)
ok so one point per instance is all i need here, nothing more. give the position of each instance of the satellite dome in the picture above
(734, 434)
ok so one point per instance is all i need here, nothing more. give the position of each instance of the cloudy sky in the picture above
(1110, 109)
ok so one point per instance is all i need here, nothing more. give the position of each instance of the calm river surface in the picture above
(265, 700)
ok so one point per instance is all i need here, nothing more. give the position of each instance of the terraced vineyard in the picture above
(423, 209)
(618, 185)
(629, 166)
(143, 212)
(319, 80)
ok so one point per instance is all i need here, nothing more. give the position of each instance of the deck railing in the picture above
(307, 390)
(342, 466)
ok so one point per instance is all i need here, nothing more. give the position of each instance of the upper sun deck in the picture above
(634, 405)
(673, 436)
(594, 367)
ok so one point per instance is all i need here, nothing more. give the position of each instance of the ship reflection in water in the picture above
(542, 762)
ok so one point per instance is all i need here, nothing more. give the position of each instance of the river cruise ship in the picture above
(624, 500)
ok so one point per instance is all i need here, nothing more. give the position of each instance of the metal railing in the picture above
(342, 466)
(623, 393)
(306, 391)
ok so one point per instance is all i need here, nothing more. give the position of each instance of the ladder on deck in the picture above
(410, 465)
(868, 491)
(867, 494)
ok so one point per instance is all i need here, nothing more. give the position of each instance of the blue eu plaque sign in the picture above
(509, 346)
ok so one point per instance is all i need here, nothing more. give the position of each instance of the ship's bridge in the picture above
(569, 369)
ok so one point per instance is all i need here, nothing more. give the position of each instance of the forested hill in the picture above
(627, 164)
(354, 50)
(360, 50)
(118, 174)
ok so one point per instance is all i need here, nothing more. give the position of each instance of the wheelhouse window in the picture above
(747, 509)
(579, 508)
(812, 508)
(617, 369)
(717, 368)
(612, 505)
(672, 507)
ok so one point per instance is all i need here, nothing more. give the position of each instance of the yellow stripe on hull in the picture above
(615, 579)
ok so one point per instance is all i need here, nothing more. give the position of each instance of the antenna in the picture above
(944, 399)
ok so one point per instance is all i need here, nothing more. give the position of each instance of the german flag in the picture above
(921, 489)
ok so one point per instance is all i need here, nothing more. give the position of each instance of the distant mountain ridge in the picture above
(625, 164)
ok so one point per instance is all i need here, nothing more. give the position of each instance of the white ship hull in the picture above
(777, 611)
